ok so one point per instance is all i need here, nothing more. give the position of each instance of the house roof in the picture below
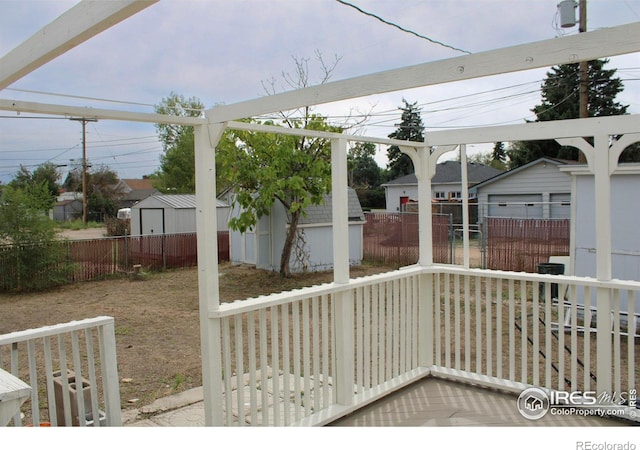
(323, 213)
(450, 172)
(137, 184)
(500, 176)
(179, 201)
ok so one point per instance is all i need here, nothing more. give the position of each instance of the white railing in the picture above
(315, 354)
(310, 356)
(85, 350)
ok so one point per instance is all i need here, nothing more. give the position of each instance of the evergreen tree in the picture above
(561, 100)
(409, 129)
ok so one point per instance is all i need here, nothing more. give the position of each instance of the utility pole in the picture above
(84, 121)
(567, 18)
(584, 65)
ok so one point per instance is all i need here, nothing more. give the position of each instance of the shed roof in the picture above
(176, 201)
(323, 213)
(508, 173)
(451, 172)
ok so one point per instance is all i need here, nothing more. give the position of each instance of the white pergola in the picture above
(89, 18)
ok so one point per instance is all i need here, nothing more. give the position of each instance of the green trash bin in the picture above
(550, 269)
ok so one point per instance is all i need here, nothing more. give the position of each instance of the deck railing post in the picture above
(206, 140)
(110, 374)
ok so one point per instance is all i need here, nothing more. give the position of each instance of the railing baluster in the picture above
(467, 323)
(33, 381)
(326, 350)
(315, 351)
(478, 324)
(523, 332)
(251, 338)
(306, 356)
(499, 328)
(297, 399)
(512, 328)
(456, 323)
(535, 325)
(239, 349)
(264, 366)
(437, 322)
(375, 333)
(274, 319)
(574, 341)
(447, 320)
(286, 363)
(488, 295)
(227, 370)
(616, 342)
(367, 336)
(402, 324)
(587, 340)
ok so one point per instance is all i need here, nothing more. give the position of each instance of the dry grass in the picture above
(156, 319)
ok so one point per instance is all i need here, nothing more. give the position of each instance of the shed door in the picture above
(152, 220)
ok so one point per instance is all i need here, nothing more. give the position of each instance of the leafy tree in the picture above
(45, 174)
(177, 164)
(33, 260)
(365, 176)
(294, 170)
(409, 129)
(561, 100)
(103, 191)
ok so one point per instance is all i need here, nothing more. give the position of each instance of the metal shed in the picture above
(168, 214)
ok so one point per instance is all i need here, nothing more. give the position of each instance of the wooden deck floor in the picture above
(435, 402)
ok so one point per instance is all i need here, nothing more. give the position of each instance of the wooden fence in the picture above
(97, 258)
(521, 244)
(393, 238)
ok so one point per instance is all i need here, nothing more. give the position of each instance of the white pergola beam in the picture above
(570, 49)
(75, 26)
(556, 129)
(97, 113)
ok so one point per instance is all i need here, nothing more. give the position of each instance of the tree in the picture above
(365, 176)
(177, 164)
(45, 174)
(33, 260)
(561, 100)
(103, 191)
(409, 129)
(292, 170)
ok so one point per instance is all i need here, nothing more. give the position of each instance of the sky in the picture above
(222, 52)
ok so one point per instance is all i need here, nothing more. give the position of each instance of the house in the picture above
(167, 214)
(538, 189)
(446, 184)
(134, 190)
(262, 246)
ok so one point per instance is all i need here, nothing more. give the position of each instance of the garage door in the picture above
(560, 206)
(516, 206)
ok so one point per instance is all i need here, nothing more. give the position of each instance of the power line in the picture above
(433, 41)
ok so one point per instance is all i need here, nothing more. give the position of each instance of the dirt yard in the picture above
(156, 320)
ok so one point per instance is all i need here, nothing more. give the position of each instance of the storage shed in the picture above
(168, 214)
(313, 251)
